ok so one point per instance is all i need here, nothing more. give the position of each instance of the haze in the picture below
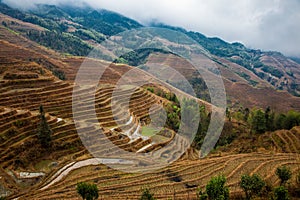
(267, 25)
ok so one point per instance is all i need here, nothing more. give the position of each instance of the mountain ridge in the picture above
(78, 30)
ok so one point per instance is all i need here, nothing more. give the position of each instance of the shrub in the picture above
(146, 195)
(216, 189)
(252, 185)
(281, 193)
(19, 123)
(150, 89)
(284, 174)
(87, 191)
(202, 196)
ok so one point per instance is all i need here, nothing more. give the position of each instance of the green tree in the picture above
(281, 193)
(190, 117)
(216, 189)
(87, 191)
(279, 121)
(292, 119)
(201, 195)
(252, 185)
(173, 119)
(269, 117)
(284, 174)
(258, 121)
(146, 195)
(246, 114)
(44, 131)
(202, 128)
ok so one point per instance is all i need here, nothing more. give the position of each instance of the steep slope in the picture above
(279, 71)
(280, 141)
(29, 78)
(77, 31)
(239, 90)
(180, 180)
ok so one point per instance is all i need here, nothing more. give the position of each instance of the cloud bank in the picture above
(267, 25)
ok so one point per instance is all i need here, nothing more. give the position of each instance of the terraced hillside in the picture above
(32, 75)
(280, 141)
(20, 148)
(180, 180)
(237, 82)
(26, 83)
(26, 86)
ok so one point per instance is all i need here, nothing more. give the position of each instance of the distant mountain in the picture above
(274, 67)
(76, 31)
(296, 59)
(103, 21)
(69, 29)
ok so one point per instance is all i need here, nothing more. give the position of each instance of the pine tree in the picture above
(44, 131)
(269, 118)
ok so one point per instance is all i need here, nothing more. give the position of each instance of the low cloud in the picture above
(267, 25)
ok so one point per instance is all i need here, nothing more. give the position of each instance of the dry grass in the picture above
(178, 176)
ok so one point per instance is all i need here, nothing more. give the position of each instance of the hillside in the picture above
(77, 31)
(100, 133)
(180, 180)
(279, 71)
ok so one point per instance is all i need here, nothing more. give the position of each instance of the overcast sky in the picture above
(259, 24)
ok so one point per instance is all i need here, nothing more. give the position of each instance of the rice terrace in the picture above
(153, 125)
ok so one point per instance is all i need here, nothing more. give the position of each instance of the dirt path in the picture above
(76, 165)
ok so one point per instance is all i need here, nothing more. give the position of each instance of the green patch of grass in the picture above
(159, 138)
(12, 31)
(149, 131)
(43, 165)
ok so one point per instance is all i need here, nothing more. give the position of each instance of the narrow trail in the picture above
(63, 172)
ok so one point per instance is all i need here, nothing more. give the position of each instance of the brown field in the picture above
(242, 94)
(179, 180)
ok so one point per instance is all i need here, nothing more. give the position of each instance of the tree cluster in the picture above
(260, 120)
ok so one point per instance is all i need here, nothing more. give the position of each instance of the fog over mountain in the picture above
(266, 25)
